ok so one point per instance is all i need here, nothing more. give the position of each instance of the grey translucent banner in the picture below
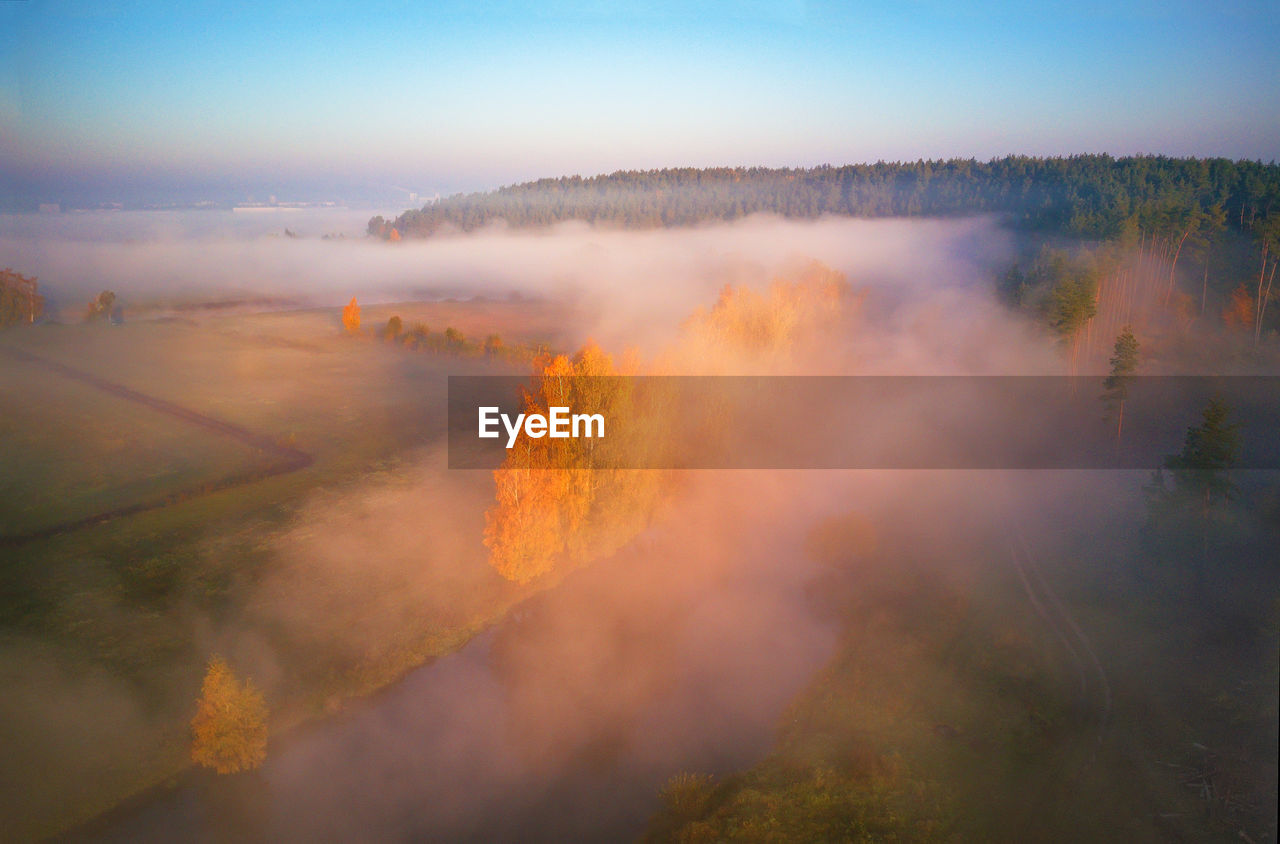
(860, 422)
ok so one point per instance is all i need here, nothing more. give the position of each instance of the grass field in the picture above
(105, 629)
(68, 451)
(328, 581)
(953, 712)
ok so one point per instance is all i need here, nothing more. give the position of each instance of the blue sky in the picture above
(315, 96)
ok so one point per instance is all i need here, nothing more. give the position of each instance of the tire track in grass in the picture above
(1049, 621)
(287, 458)
(1103, 682)
(1065, 626)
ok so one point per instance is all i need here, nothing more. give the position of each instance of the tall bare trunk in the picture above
(1262, 305)
(1119, 426)
(1168, 294)
(1204, 288)
(1257, 308)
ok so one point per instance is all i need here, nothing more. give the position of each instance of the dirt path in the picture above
(1055, 614)
(282, 458)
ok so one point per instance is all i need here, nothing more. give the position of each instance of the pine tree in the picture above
(1124, 362)
(1201, 487)
(395, 326)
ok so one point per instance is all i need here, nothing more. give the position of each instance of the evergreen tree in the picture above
(1124, 362)
(1201, 487)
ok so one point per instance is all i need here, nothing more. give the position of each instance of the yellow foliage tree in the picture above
(536, 505)
(574, 499)
(351, 316)
(229, 730)
(771, 323)
(524, 529)
(569, 499)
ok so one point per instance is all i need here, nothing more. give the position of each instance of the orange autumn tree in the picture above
(351, 316)
(229, 730)
(568, 499)
(774, 323)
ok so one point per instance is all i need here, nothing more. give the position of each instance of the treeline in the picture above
(1094, 196)
(1189, 268)
(417, 336)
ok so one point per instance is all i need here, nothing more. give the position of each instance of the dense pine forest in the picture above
(1094, 196)
(1177, 238)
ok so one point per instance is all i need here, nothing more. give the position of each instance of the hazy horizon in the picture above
(146, 104)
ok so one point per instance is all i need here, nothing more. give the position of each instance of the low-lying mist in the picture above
(634, 287)
(679, 652)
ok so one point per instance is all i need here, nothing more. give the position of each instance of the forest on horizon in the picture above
(1090, 196)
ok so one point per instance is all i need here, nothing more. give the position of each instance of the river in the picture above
(679, 653)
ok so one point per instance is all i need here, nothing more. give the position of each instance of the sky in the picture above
(129, 100)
